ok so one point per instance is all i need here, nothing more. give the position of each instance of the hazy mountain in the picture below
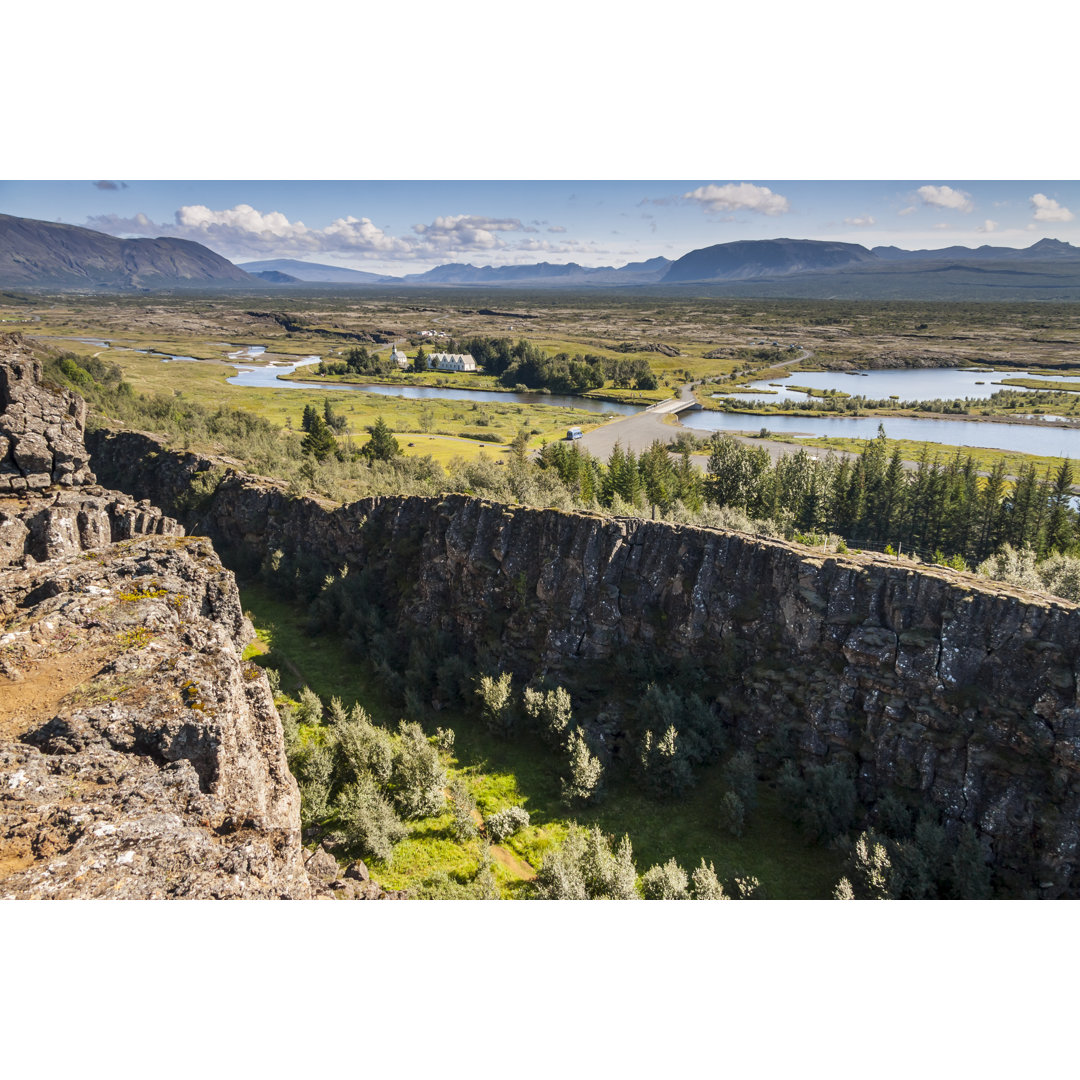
(275, 277)
(1043, 249)
(48, 254)
(648, 272)
(743, 259)
(298, 270)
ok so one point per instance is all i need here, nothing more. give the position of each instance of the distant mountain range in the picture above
(641, 273)
(48, 255)
(298, 270)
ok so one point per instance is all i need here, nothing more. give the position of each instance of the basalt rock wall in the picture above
(951, 690)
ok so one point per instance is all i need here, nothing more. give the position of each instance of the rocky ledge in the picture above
(139, 755)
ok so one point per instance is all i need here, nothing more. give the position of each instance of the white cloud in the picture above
(946, 198)
(243, 231)
(987, 226)
(1047, 209)
(859, 222)
(467, 231)
(907, 210)
(557, 228)
(753, 197)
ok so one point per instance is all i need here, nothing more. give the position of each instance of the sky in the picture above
(400, 227)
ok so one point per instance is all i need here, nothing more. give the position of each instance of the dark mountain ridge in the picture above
(743, 259)
(48, 254)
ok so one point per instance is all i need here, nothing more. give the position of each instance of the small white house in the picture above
(451, 361)
(400, 358)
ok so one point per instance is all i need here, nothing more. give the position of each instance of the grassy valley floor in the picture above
(524, 772)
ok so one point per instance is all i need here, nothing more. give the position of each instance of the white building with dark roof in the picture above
(451, 361)
(400, 358)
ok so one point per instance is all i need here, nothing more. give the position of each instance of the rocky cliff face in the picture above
(938, 685)
(139, 756)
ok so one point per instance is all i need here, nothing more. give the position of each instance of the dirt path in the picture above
(30, 700)
(518, 867)
(515, 865)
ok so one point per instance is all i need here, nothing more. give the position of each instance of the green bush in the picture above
(706, 885)
(550, 712)
(498, 708)
(732, 814)
(665, 882)
(504, 823)
(365, 820)
(585, 782)
(418, 778)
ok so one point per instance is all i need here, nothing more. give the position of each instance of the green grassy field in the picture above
(523, 772)
(206, 384)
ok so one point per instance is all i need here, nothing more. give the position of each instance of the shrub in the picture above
(665, 767)
(829, 808)
(487, 888)
(747, 887)
(561, 876)
(971, 875)
(463, 825)
(608, 875)
(309, 710)
(870, 866)
(843, 890)
(504, 823)
(497, 704)
(314, 770)
(366, 821)
(823, 801)
(417, 776)
(732, 814)
(740, 776)
(365, 747)
(665, 882)
(584, 784)
(584, 867)
(550, 712)
(444, 739)
(706, 884)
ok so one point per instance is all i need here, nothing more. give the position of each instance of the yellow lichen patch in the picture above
(135, 638)
(151, 593)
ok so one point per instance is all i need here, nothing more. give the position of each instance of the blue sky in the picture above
(409, 226)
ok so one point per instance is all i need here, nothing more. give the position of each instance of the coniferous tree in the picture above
(382, 446)
(319, 442)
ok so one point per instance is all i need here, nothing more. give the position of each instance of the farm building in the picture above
(451, 361)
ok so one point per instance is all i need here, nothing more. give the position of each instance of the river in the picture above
(267, 378)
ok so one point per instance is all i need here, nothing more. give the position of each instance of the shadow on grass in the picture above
(524, 771)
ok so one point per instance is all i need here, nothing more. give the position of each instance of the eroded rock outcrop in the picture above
(139, 755)
(943, 687)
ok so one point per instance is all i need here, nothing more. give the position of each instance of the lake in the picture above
(909, 384)
(1024, 438)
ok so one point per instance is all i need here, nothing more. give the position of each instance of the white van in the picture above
(573, 433)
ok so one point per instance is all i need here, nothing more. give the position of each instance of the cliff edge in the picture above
(140, 756)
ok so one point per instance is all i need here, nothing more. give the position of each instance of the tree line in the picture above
(522, 363)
